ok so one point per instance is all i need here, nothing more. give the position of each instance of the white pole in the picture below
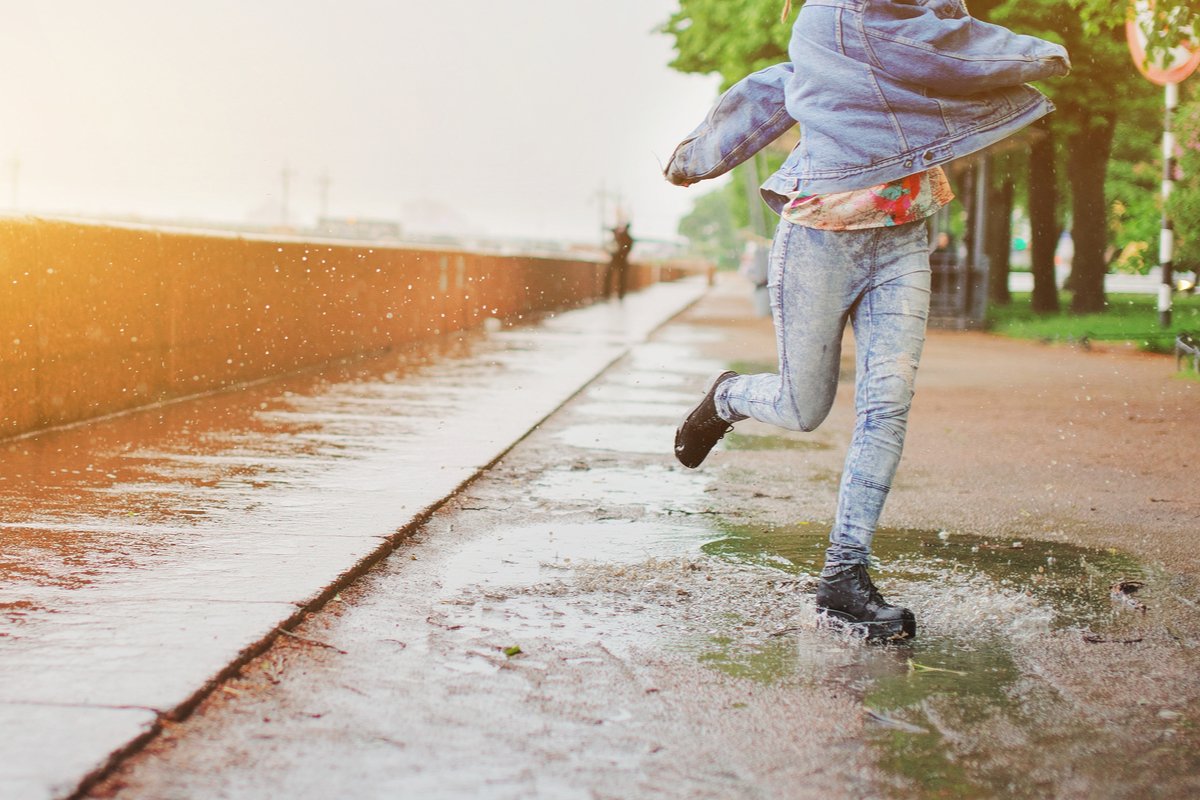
(1166, 244)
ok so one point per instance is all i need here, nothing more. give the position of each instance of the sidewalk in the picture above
(147, 554)
(590, 620)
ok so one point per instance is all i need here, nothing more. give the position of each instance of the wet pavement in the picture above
(146, 553)
(588, 619)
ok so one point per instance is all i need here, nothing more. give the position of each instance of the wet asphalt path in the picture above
(145, 553)
(588, 619)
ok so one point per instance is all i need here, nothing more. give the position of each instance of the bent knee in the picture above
(804, 410)
(804, 420)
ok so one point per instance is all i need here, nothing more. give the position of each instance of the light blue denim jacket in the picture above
(882, 89)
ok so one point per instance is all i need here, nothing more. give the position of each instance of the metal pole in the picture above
(1166, 244)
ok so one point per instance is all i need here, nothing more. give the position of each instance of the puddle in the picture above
(1071, 583)
(988, 611)
(762, 664)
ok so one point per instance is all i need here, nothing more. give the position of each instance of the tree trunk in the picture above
(1043, 220)
(1087, 164)
(999, 232)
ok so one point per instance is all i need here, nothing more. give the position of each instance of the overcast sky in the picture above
(504, 118)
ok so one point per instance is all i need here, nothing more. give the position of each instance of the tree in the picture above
(1133, 191)
(1044, 217)
(1103, 86)
(712, 228)
(735, 39)
(730, 39)
(998, 237)
(1184, 204)
(1172, 18)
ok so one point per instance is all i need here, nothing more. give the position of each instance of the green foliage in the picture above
(1103, 79)
(1128, 318)
(711, 227)
(1104, 87)
(731, 38)
(1171, 16)
(1184, 206)
(1133, 192)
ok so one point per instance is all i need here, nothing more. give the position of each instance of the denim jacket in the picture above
(882, 89)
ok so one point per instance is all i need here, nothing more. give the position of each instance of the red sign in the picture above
(1171, 66)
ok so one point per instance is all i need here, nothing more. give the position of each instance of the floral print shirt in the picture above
(894, 203)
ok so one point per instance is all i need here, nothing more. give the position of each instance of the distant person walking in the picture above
(616, 278)
(885, 92)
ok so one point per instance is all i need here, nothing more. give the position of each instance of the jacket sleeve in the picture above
(748, 117)
(956, 54)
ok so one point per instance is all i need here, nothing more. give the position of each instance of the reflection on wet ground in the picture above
(984, 702)
(957, 710)
(987, 685)
(589, 618)
(1065, 585)
(144, 553)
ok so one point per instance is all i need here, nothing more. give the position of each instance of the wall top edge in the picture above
(296, 239)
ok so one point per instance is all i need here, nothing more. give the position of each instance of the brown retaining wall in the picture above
(96, 319)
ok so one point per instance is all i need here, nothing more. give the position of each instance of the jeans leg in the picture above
(812, 280)
(889, 331)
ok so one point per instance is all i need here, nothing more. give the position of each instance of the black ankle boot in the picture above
(702, 428)
(850, 600)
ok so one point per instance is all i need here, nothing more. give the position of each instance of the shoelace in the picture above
(872, 592)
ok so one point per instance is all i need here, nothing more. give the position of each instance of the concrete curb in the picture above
(376, 504)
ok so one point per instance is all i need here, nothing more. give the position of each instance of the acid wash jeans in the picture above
(878, 278)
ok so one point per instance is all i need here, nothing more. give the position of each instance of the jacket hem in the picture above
(897, 167)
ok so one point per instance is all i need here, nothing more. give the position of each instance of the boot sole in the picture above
(893, 631)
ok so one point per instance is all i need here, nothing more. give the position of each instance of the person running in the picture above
(885, 92)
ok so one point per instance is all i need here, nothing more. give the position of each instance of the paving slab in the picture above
(589, 619)
(147, 552)
(35, 762)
